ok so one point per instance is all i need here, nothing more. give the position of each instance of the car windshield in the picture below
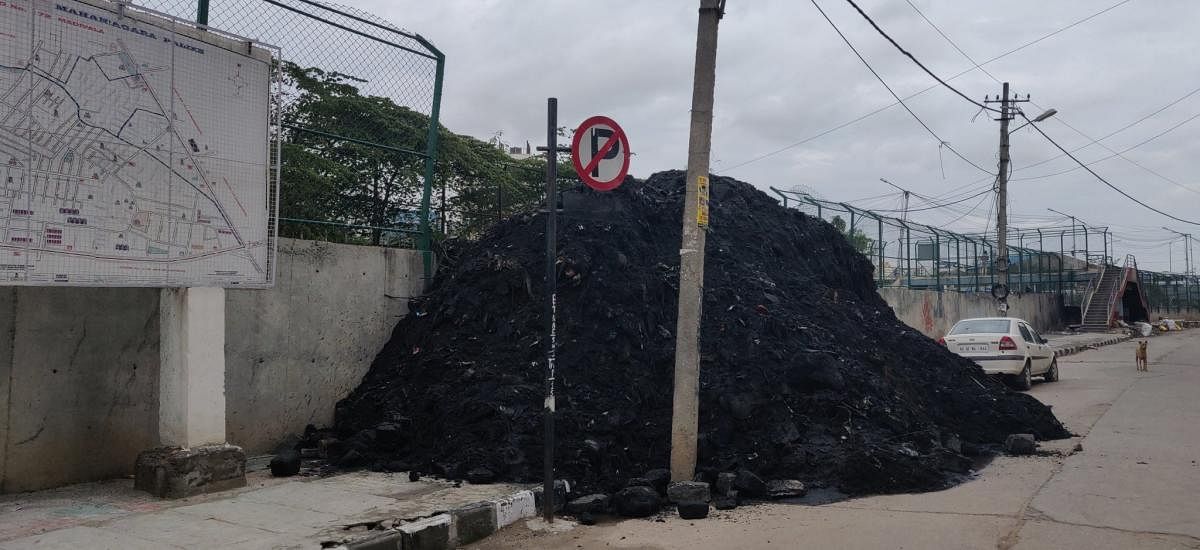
(981, 326)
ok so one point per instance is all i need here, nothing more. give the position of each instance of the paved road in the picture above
(1135, 484)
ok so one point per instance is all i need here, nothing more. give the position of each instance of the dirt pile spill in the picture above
(805, 372)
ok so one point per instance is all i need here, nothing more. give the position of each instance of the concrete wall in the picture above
(933, 313)
(293, 351)
(79, 366)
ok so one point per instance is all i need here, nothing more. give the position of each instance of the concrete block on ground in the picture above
(387, 540)
(472, 522)
(561, 488)
(432, 533)
(173, 472)
(519, 505)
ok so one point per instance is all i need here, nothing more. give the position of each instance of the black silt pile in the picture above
(805, 372)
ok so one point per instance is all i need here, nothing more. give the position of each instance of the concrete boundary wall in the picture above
(79, 366)
(933, 313)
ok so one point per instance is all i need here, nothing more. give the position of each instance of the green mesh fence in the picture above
(359, 102)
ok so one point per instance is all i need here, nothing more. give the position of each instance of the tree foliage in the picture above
(355, 159)
(859, 240)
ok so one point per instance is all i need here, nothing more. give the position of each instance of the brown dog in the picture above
(1140, 355)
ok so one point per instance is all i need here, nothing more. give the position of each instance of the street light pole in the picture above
(685, 412)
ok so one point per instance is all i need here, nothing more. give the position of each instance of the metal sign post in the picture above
(552, 149)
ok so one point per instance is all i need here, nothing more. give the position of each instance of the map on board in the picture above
(134, 151)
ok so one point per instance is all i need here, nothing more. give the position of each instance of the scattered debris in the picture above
(636, 502)
(687, 491)
(692, 509)
(596, 503)
(725, 482)
(841, 393)
(727, 502)
(480, 476)
(749, 485)
(285, 464)
(1020, 444)
(785, 488)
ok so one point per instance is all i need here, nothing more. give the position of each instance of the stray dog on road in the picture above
(1140, 356)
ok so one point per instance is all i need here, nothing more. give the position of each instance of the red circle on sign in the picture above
(617, 138)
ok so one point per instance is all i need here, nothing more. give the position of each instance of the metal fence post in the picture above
(1041, 254)
(431, 145)
(975, 261)
(957, 266)
(882, 261)
(908, 252)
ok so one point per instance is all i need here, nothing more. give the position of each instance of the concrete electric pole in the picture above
(685, 408)
(1000, 290)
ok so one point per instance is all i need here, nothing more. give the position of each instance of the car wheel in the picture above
(1052, 374)
(1023, 381)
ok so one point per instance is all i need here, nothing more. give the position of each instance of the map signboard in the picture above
(135, 150)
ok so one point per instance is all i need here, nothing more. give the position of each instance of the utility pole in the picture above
(904, 216)
(1000, 290)
(1188, 265)
(686, 405)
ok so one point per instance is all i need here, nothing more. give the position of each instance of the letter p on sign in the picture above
(600, 153)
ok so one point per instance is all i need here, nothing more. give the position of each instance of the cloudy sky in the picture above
(785, 79)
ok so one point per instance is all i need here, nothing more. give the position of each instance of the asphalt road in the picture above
(1134, 484)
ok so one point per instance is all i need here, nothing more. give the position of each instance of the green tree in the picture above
(859, 240)
(347, 158)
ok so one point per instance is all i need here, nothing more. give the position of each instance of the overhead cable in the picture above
(1106, 182)
(854, 121)
(941, 141)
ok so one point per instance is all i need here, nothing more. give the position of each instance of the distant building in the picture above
(522, 154)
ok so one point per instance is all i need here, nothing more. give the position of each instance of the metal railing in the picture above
(910, 254)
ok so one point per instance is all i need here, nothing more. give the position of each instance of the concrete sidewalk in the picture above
(353, 510)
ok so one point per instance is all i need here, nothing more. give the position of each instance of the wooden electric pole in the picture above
(685, 411)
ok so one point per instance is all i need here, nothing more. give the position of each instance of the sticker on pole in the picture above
(600, 153)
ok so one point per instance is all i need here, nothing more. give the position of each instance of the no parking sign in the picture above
(600, 153)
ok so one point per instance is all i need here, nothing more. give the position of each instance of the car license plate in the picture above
(972, 348)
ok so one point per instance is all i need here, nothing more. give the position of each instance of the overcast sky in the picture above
(783, 76)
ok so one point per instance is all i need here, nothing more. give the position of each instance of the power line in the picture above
(937, 206)
(1062, 120)
(854, 121)
(918, 62)
(967, 213)
(1115, 154)
(1121, 155)
(941, 141)
(1096, 141)
(1106, 182)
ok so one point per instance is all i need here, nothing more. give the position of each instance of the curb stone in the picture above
(1077, 348)
(451, 529)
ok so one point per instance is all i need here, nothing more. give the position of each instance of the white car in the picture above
(1005, 346)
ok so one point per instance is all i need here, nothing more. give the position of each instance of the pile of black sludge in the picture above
(806, 374)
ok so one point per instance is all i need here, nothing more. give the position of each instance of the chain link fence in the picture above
(359, 103)
(1059, 259)
(1172, 292)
